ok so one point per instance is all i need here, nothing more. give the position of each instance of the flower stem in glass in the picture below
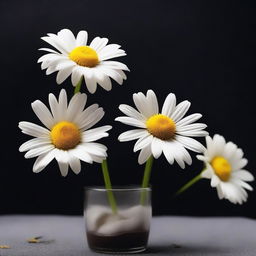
(108, 186)
(146, 178)
(78, 86)
(189, 184)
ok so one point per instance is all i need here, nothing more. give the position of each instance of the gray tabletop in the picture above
(65, 236)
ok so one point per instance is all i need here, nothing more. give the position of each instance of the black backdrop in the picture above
(203, 51)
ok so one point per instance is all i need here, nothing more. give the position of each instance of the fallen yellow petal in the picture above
(34, 239)
(5, 247)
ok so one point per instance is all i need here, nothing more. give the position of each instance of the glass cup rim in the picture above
(117, 188)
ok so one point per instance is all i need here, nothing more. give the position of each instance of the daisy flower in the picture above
(225, 167)
(67, 136)
(166, 132)
(72, 56)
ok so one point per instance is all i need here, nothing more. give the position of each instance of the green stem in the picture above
(78, 86)
(146, 178)
(189, 184)
(108, 186)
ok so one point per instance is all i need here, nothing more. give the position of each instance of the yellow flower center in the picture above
(221, 167)
(84, 56)
(65, 135)
(161, 127)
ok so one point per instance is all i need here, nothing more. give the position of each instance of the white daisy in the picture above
(67, 136)
(225, 167)
(74, 57)
(166, 132)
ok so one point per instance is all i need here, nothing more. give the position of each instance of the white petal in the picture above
(76, 75)
(54, 41)
(81, 39)
(111, 73)
(80, 153)
(97, 159)
(143, 142)
(190, 143)
(92, 119)
(64, 64)
(121, 73)
(243, 184)
(48, 50)
(169, 105)
(74, 163)
(82, 117)
(96, 133)
(144, 155)
(63, 99)
(207, 173)
(115, 65)
(39, 151)
(143, 105)
(131, 112)
(91, 83)
(50, 70)
(95, 149)
(76, 105)
(169, 151)
(215, 181)
(62, 159)
(193, 133)
(156, 147)
(34, 143)
(105, 83)
(68, 39)
(243, 175)
(180, 110)
(34, 130)
(63, 74)
(242, 163)
(54, 105)
(174, 150)
(210, 152)
(109, 48)
(63, 168)
(233, 193)
(152, 102)
(98, 43)
(219, 144)
(219, 192)
(131, 121)
(191, 127)
(132, 135)
(186, 156)
(189, 119)
(229, 150)
(203, 158)
(55, 63)
(110, 51)
(43, 113)
(48, 57)
(43, 160)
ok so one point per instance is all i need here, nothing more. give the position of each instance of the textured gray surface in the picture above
(169, 236)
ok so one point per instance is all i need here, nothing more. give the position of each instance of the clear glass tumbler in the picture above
(124, 230)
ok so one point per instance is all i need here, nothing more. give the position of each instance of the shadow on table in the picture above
(181, 250)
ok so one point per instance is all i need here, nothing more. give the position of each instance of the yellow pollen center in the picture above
(84, 56)
(65, 135)
(221, 167)
(161, 127)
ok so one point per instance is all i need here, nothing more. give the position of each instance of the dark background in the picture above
(203, 51)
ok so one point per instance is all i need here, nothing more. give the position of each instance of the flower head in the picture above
(67, 136)
(72, 56)
(225, 167)
(166, 132)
